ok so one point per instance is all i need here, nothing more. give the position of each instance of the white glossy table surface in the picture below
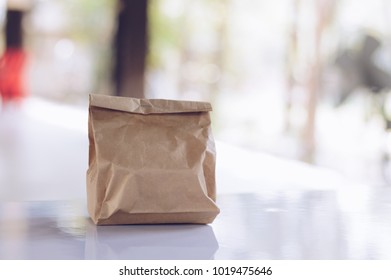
(270, 208)
(276, 225)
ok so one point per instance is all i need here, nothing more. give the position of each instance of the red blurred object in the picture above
(11, 75)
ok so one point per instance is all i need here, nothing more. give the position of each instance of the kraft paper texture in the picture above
(150, 161)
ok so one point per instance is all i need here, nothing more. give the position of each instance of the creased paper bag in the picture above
(150, 161)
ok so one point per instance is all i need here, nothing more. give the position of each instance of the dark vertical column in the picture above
(131, 48)
(13, 29)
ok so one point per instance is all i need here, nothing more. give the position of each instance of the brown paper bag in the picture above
(150, 161)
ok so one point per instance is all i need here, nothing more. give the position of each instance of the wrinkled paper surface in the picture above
(150, 161)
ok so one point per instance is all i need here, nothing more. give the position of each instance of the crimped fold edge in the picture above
(147, 106)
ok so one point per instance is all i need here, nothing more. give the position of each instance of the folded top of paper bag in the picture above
(147, 106)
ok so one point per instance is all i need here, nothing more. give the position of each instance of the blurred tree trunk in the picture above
(185, 52)
(221, 49)
(324, 10)
(292, 62)
(298, 60)
(131, 43)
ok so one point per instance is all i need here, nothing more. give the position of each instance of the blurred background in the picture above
(308, 80)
